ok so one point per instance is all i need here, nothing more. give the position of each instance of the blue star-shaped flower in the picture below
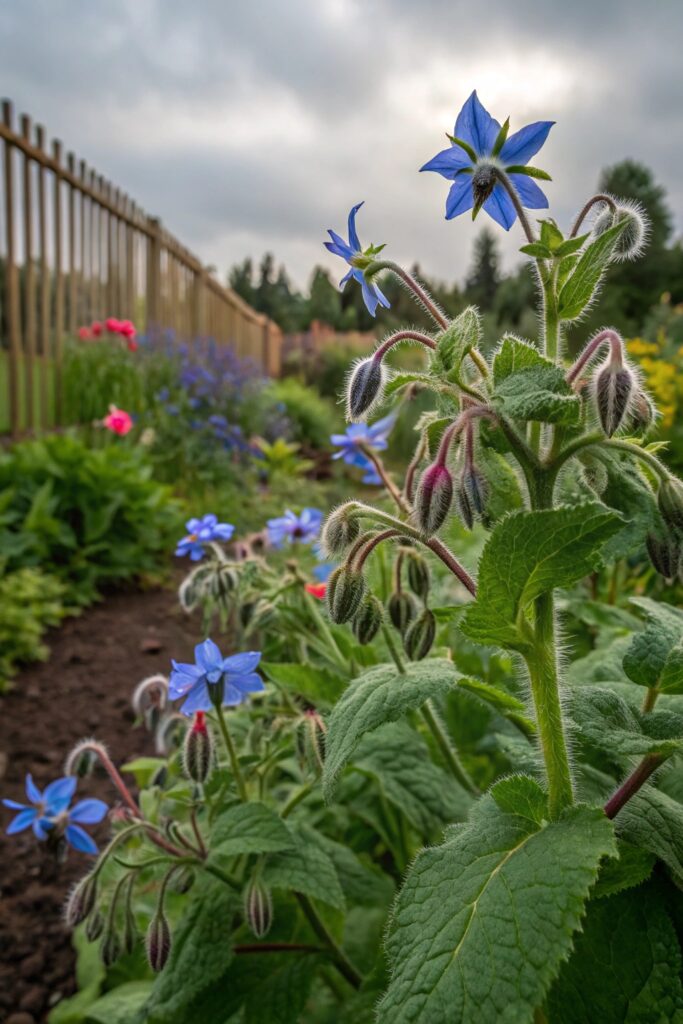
(234, 676)
(362, 435)
(50, 809)
(292, 528)
(351, 252)
(201, 532)
(479, 147)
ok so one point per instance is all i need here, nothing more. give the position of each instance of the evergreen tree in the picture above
(484, 277)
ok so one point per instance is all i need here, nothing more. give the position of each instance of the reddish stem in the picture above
(607, 336)
(600, 198)
(394, 339)
(448, 559)
(372, 544)
(632, 784)
(279, 947)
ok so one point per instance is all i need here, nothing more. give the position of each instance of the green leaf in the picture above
(379, 696)
(632, 867)
(484, 921)
(528, 554)
(501, 137)
(431, 427)
(503, 702)
(318, 685)
(464, 145)
(531, 172)
(538, 393)
(655, 655)
(606, 722)
(514, 354)
(579, 288)
(399, 760)
(460, 337)
(144, 769)
(653, 821)
(401, 380)
(537, 250)
(306, 868)
(551, 236)
(120, 1005)
(361, 883)
(521, 795)
(281, 995)
(249, 828)
(570, 246)
(200, 952)
(625, 966)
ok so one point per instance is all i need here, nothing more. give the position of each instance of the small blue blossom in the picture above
(479, 147)
(291, 528)
(362, 435)
(235, 677)
(201, 532)
(50, 809)
(351, 251)
(322, 571)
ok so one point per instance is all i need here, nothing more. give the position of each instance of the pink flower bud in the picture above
(433, 499)
(198, 750)
(613, 387)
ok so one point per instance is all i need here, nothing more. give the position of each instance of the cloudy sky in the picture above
(249, 125)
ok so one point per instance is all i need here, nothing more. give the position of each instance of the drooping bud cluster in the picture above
(198, 750)
(110, 946)
(433, 498)
(365, 388)
(368, 619)
(345, 591)
(418, 574)
(258, 908)
(633, 238)
(402, 608)
(158, 941)
(420, 635)
(339, 532)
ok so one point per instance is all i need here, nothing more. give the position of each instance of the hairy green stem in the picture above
(337, 954)
(295, 799)
(445, 745)
(232, 754)
(393, 650)
(325, 630)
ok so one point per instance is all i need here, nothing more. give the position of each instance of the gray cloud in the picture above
(257, 125)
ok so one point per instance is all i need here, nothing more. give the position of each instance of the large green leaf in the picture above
(484, 921)
(514, 355)
(625, 968)
(317, 684)
(200, 952)
(528, 554)
(578, 290)
(539, 393)
(606, 722)
(654, 821)
(249, 828)
(379, 696)
(120, 1005)
(307, 868)
(655, 655)
(360, 882)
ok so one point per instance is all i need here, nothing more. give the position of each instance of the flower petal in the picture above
(22, 821)
(80, 840)
(460, 198)
(207, 655)
(448, 162)
(238, 664)
(88, 812)
(500, 207)
(32, 791)
(530, 194)
(247, 684)
(198, 700)
(60, 792)
(354, 241)
(520, 147)
(232, 696)
(476, 126)
(13, 805)
(41, 827)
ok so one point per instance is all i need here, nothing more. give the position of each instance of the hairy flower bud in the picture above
(402, 609)
(365, 387)
(310, 741)
(613, 387)
(418, 575)
(368, 619)
(419, 636)
(94, 926)
(158, 941)
(471, 495)
(223, 582)
(258, 908)
(433, 498)
(642, 412)
(633, 238)
(345, 591)
(198, 749)
(670, 503)
(665, 554)
(130, 932)
(81, 901)
(110, 947)
(339, 532)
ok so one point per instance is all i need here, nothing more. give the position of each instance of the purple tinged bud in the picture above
(344, 593)
(402, 609)
(420, 636)
(81, 901)
(474, 487)
(198, 750)
(642, 412)
(368, 619)
(670, 503)
(158, 941)
(433, 499)
(665, 554)
(613, 387)
(258, 908)
(365, 388)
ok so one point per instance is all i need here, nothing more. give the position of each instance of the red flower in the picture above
(127, 329)
(118, 421)
(132, 345)
(113, 325)
(96, 328)
(317, 590)
(84, 333)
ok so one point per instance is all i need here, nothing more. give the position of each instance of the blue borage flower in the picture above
(480, 146)
(358, 436)
(355, 256)
(201, 532)
(50, 810)
(291, 528)
(234, 678)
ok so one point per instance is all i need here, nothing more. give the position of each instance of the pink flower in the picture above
(127, 329)
(316, 590)
(118, 421)
(84, 333)
(113, 325)
(96, 329)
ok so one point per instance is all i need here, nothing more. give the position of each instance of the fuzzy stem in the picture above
(516, 202)
(409, 483)
(393, 650)
(386, 479)
(232, 753)
(608, 336)
(633, 783)
(365, 551)
(295, 799)
(325, 630)
(399, 336)
(339, 957)
(639, 453)
(599, 198)
(449, 560)
(446, 747)
(412, 285)
(101, 751)
(479, 361)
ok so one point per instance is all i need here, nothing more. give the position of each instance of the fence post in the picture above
(59, 280)
(153, 303)
(11, 281)
(198, 310)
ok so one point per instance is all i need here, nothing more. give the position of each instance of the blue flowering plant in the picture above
(51, 817)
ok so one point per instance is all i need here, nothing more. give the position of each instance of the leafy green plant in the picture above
(282, 457)
(30, 601)
(312, 417)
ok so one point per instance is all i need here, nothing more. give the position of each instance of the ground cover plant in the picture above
(417, 801)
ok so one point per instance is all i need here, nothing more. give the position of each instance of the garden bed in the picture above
(83, 689)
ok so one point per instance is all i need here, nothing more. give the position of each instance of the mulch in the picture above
(82, 690)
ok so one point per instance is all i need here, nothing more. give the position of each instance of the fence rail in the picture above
(73, 249)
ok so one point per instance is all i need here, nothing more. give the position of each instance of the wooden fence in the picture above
(73, 249)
